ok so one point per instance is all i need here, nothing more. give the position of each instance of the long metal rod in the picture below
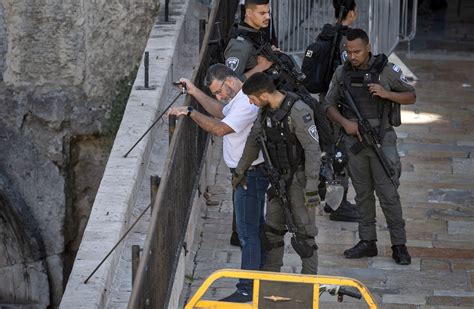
(120, 240)
(155, 122)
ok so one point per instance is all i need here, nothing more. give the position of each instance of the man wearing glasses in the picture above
(232, 117)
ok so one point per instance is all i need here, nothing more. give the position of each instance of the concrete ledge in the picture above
(118, 190)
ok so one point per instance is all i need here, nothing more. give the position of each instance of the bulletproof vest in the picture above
(285, 151)
(356, 82)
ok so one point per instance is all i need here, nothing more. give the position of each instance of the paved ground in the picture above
(436, 143)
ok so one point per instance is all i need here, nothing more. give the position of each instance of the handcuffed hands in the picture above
(312, 199)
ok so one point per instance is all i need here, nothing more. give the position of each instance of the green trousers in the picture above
(304, 219)
(368, 176)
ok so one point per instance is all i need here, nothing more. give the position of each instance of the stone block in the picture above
(460, 227)
(441, 301)
(414, 299)
(426, 281)
(389, 264)
(441, 253)
(454, 293)
(463, 166)
(428, 265)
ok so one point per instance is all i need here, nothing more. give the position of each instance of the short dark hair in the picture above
(252, 3)
(218, 72)
(349, 5)
(257, 84)
(356, 33)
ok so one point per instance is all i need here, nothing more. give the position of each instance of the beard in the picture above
(231, 95)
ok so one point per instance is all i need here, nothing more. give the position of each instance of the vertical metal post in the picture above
(172, 126)
(167, 10)
(135, 261)
(202, 31)
(147, 65)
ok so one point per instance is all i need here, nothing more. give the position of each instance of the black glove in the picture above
(239, 179)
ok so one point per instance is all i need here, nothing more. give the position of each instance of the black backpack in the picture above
(316, 62)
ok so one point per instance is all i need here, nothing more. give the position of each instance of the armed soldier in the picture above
(286, 124)
(370, 91)
(241, 51)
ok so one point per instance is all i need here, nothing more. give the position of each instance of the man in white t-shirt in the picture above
(232, 117)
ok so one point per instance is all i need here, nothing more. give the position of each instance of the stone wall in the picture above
(61, 67)
(3, 42)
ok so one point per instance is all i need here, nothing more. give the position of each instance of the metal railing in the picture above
(156, 271)
(298, 22)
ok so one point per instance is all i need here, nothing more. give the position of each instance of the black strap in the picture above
(384, 121)
(286, 106)
(272, 230)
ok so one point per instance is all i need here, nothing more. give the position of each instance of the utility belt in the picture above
(252, 167)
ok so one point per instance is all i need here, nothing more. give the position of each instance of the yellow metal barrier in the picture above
(257, 276)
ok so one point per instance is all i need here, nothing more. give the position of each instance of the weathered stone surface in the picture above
(460, 227)
(404, 299)
(435, 265)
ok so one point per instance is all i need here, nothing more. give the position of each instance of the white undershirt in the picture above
(239, 114)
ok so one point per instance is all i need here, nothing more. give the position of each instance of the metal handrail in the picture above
(152, 287)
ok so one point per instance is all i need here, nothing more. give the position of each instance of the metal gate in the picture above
(387, 22)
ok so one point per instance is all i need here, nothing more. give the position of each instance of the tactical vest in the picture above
(285, 151)
(356, 82)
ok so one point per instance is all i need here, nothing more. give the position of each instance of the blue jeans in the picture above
(249, 207)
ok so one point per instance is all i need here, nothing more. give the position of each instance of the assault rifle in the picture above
(290, 79)
(369, 138)
(303, 249)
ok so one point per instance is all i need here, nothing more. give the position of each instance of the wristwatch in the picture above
(190, 110)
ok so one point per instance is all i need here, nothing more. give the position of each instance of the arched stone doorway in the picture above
(24, 278)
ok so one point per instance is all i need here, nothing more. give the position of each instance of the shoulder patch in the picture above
(404, 79)
(344, 56)
(307, 118)
(232, 62)
(309, 53)
(396, 68)
(241, 39)
(313, 132)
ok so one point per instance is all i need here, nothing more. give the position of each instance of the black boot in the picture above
(362, 249)
(345, 212)
(400, 255)
(234, 239)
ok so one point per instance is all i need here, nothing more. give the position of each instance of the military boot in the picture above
(400, 255)
(362, 249)
(346, 212)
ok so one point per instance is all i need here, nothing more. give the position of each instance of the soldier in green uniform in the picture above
(241, 51)
(376, 87)
(291, 134)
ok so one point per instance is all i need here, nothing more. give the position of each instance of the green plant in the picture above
(123, 89)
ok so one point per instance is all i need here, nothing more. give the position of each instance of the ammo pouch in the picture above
(394, 115)
(302, 248)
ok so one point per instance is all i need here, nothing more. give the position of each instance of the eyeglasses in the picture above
(218, 92)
